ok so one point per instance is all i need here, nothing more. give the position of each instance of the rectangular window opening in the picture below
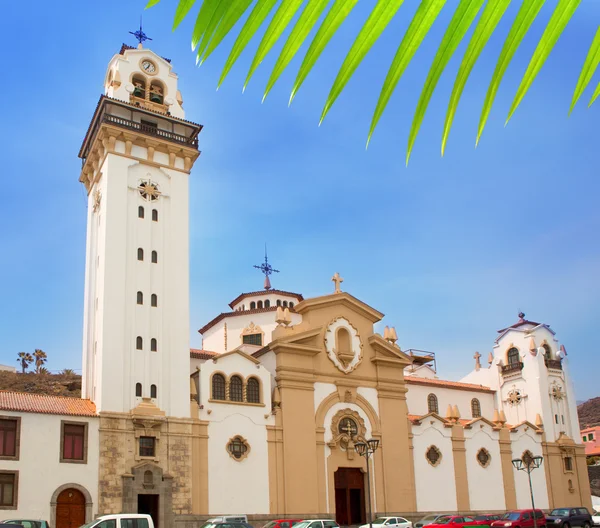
(147, 446)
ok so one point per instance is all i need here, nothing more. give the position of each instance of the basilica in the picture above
(268, 418)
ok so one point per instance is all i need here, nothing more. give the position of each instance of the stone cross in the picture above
(338, 281)
(477, 362)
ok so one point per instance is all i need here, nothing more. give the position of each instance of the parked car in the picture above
(521, 519)
(566, 517)
(452, 521)
(317, 523)
(26, 523)
(241, 518)
(596, 518)
(391, 522)
(121, 520)
(282, 523)
(486, 519)
(228, 524)
(428, 519)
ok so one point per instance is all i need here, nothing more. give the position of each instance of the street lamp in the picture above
(366, 449)
(529, 463)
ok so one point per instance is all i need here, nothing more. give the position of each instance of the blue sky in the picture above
(450, 249)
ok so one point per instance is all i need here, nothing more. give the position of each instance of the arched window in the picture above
(157, 92)
(253, 391)
(432, 404)
(139, 86)
(138, 390)
(243, 307)
(513, 356)
(218, 387)
(140, 298)
(236, 389)
(154, 300)
(278, 302)
(475, 408)
(152, 391)
(139, 343)
(252, 305)
(153, 345)
(140, 212)
(140, 254)
(154, 215)
(285, 304)
(154, 257)
(267, 304)
(259, 305)
(291, 304)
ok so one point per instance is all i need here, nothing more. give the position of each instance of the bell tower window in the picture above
(139, 87)
(157, 92)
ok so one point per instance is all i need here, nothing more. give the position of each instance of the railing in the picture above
(553, 364)
(149, 130)
(512, 368)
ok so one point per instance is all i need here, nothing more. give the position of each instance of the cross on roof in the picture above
(267, 270)
(139, 34)
(338, 281)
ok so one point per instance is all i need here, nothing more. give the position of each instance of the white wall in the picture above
(416, 399)
(486, 487)
(40, 472)
(237, 486)
(523, 440)
(435, 486)
(271, 297)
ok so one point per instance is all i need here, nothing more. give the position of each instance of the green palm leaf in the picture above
(183, 8)
(461, 21)
(525, 17)
(564, 11)
(493, 12)
(589, 67)
(280, 21)
(234, 13)
(307, 20)
(378, 20)
(203, 20)
(257, 17)
(595, 95)
(334, 18)
(420, 25)
(151, 3)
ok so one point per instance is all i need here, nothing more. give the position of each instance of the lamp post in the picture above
(529, 463)
(366, 449)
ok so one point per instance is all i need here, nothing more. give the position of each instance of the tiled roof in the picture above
(521, 322)
(126, 47)
(196, 353)
(43, 404)
(265, 292)
(447, 384)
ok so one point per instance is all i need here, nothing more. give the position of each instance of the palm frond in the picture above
(217, 18)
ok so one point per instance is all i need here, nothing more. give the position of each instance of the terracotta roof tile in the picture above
(44, 404)
(447, 384)
(196, 353)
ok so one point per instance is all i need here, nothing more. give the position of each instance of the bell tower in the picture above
(136, 160)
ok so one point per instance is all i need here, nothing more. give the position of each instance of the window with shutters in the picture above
(218, 387)
(10, 429)
(74, 442)
(253, 391)
(147, 446)
(475, 408)
(432, 404)
(9, 484)
(236, 389)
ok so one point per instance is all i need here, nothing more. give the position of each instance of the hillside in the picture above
(589, 413)
(52, 384)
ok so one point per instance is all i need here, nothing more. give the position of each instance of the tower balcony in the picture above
(554, 364)
(512, 368)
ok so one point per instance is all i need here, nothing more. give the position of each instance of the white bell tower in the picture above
(137, 156)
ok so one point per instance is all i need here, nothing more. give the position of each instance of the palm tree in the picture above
(24, 358)
(216, 18)
(40, 358)
(67, 372)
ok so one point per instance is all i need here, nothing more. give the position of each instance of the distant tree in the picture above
(24, 359)
(40, 358)
(42, 370)
(67, 372)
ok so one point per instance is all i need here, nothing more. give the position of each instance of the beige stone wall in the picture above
(119, 454)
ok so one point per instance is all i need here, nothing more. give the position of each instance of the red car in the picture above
(521, 519)
(486, 519)
(453, 521)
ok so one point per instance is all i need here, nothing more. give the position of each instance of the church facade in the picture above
(264, 419)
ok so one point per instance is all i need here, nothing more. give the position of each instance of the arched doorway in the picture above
(349, 496)
(70, 509)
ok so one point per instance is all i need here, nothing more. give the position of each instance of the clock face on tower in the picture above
(148, 66)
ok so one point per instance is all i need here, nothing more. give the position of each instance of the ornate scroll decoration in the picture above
(97, 200)
(344, 359)
(347, 428)
(514, 397)
(149, 190)
(557, 392)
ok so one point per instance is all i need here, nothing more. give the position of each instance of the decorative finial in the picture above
(338, 281)
(521, 316)
(490, 358)
(140, 35)
(267, 269)
(476, 357)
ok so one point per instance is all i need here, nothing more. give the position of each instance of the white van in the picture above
(121, 520)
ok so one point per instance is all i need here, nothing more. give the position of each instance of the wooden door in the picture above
(70, 509)
(349, 496)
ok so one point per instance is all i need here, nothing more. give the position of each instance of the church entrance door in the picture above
(148, 504)
(349, 496)
(70, 509)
